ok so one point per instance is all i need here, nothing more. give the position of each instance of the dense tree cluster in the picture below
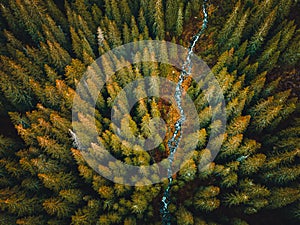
(46, 47)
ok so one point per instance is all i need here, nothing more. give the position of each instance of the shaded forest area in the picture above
(251, 46)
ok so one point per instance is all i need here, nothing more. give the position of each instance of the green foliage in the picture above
(283, 196)
(179, 22)
(188, 170)
(224, 34)
(158, 25)
(172, 9)
(31, 220)
(16, 202)
(184, 217)
(55, 206)
(205, 199)
(252, 164)
(45, 49)
(58, 181)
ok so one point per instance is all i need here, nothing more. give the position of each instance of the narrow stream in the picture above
(173, 142)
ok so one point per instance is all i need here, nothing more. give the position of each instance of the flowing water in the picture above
(173, 142)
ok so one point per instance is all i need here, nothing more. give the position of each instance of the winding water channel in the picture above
(173, 142)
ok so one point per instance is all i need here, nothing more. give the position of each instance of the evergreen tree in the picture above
(158, 25)
(179, 22)
(172, 9)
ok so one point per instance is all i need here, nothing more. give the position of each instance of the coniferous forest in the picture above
(251, 47)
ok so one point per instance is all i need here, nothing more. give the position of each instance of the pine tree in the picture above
(187, 12)
(134, 29)
(116, 13)
(184, 217)
(291, 54)
(125, 11)
(172, 10)
(229, 25)
(126, 34)
(257, 40)
(142, 21)
(179, 22)
(234, 40)
(19, 95)
(55, 206)
(158, 25)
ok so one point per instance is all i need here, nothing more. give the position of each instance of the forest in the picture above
(252, 50)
